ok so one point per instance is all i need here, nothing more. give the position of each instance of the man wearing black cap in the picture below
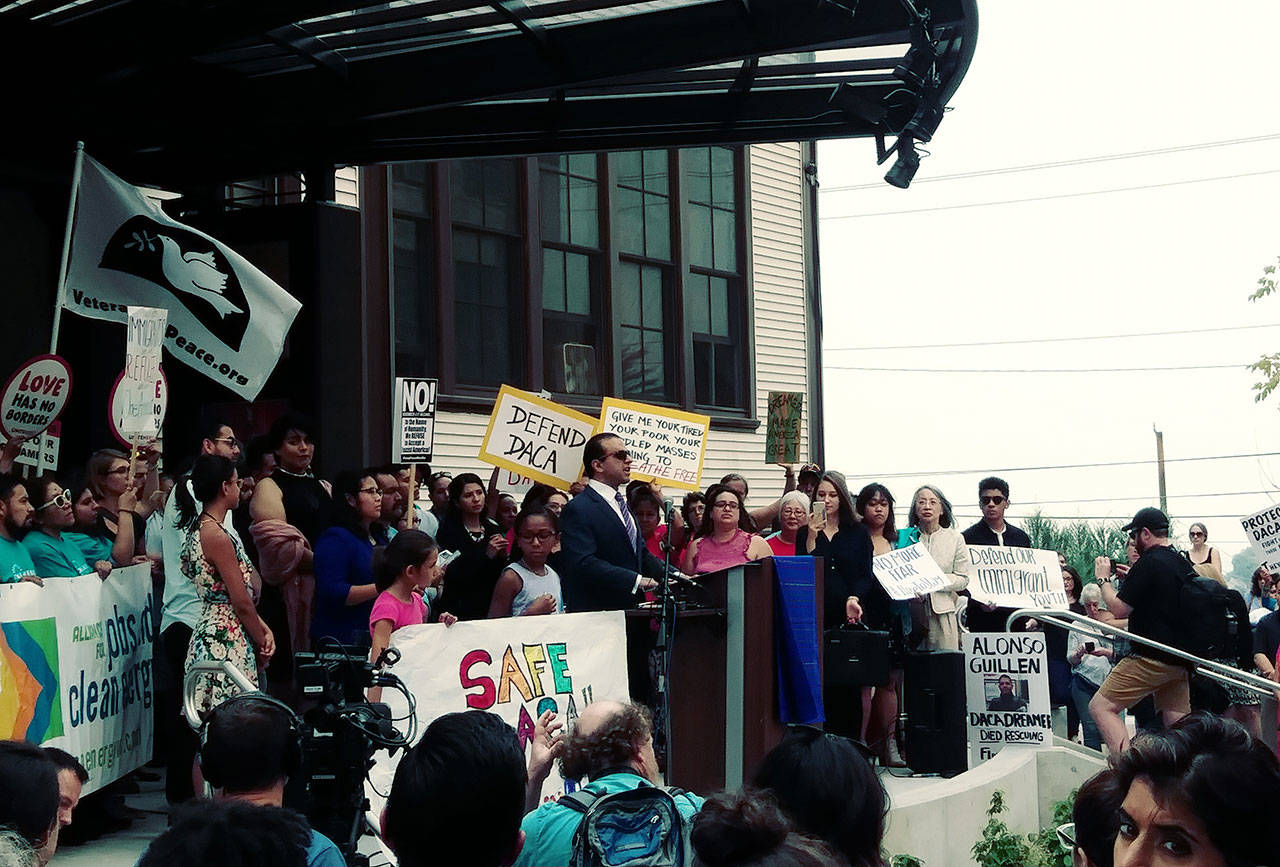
(1149, 600)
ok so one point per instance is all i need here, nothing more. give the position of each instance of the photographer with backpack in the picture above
(1152, 602)
(611, 745)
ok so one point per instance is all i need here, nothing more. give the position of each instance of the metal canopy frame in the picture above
(211, 90)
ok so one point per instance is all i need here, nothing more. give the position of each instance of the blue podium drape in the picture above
(799, 641)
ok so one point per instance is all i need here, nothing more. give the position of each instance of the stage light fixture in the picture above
(924, 123)
(908, 162)
(845, 97)
(916, 68)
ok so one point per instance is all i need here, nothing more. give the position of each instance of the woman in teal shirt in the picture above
(54, 555)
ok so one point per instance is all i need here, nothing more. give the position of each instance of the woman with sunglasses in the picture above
(119, 505)
(726, 537)
(345, 589)
(53, 555)
(1202, 555)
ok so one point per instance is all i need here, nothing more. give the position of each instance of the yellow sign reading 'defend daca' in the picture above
(537, 438)
(666, 445)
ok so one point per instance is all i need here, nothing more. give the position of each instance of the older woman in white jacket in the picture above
(932, 518)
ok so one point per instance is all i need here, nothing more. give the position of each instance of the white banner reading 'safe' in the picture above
(1016, 577)
(227, 319)
(516, 667)
(75, 668)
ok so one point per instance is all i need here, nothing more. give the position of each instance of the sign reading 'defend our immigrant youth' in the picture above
(1016, 577)
(414, 424)
(1263, 530)
(666, 445)
(537, 438)
(908, 572)
(1006, 691)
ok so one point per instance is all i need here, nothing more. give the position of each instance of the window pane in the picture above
(553, 207)
(725, 243)
(466, 183)
(722, 177)
(651, 280)
(630, 231)
(584, 223)
(698, 173)
(657, 227)
(655, 172)
(628, 163)
(553, 162)
(552, 280)
(703, 375)
(577, 283)
(627, 296)
(466, 246)
(655, 384)
(727, 374)
(501, 201)
(466, 282)
(632, 356)
(719, 292)
(699, 220)
(696, 306)
(582, 164)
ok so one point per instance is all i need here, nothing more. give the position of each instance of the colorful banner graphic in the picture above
(75, 668)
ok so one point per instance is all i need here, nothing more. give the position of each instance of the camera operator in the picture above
(251, 745)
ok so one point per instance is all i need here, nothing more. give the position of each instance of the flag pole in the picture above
(66, 248)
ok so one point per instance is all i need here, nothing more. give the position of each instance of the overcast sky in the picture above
(1055, 83)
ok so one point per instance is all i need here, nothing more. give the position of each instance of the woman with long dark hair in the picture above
(345, 589)
(480, 549)
(53, 555)
(229, 628)
(727, 535)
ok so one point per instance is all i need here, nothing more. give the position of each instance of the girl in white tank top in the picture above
(529, 585)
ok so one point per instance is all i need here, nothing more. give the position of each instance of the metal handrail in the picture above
(1097, 629)
(208, 667)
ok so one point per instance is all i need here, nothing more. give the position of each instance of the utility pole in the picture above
(1164, 500)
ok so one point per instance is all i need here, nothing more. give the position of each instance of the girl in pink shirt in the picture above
(402, 571)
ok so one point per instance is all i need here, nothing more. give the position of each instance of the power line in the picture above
(989, 470)
(1100, 158)
(1035, 370)
(1028, 340)
(1050, 198)
(1022, 502)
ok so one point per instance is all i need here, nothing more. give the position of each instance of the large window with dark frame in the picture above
(581, 274)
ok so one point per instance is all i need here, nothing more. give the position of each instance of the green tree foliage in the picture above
(1081, 541)
(1001, 847)
(1268, 365)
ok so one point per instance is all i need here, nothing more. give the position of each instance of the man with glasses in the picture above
(180, 612)
(993, 497)
(1150, 600)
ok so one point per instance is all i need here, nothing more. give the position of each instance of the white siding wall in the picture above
(346, 184)
(780, 335)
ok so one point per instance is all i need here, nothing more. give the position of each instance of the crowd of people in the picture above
(255, 558)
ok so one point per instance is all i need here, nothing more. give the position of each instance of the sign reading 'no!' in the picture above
(415, 419)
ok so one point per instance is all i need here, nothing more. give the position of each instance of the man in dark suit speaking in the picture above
(606, 562)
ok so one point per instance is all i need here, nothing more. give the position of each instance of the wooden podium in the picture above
(722, 688)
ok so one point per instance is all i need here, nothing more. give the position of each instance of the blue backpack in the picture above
(637, 828)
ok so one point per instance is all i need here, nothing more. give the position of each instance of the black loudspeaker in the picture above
(936, 734)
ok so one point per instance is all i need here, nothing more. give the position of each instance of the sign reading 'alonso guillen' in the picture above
(226, 319)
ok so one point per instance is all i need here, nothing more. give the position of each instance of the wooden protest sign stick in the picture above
(411, 512)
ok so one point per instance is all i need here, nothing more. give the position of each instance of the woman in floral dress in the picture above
(229, 629)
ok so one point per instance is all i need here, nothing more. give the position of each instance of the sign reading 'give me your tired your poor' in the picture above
(666, 445)
(536, 437)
